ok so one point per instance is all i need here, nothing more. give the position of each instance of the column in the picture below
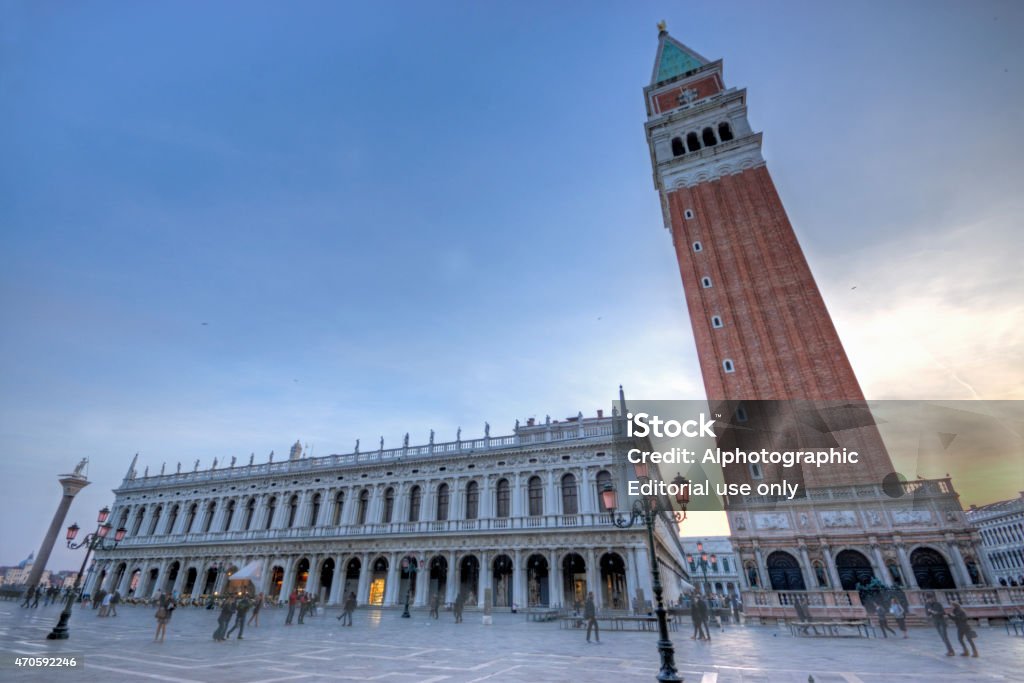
(593, 582)
(762, 568)
(518, 510)
(288, 578)
(487, 493)
(586, 492)
(422, 575)
(451, 585)
(394, 577)
(481, 579)
(363, 591)
(629, 555)
(883, 571)
(553, 501)
(180, 578)
(959, 566)
(554, 579)
(264, 582)
(487, 576)
(830, 565)
(337, 581)
(909, 580)
(810, 580)
(518, 579)
(70, 484)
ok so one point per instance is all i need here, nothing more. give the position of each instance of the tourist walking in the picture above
(938, 616)
(164, 610)
(435, 604)
(293, 600)
(98, 599)
(899, 614)
(590, 616)
(347, 609)
(883, 620)
(105, 607)
(254, 620)
(241, 612)
(115, 599)
(227, 610)
(460, 602)
(963, 629)
(303, 606)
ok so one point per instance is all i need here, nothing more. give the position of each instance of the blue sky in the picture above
(409, 216)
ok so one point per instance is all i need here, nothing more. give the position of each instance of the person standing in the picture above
(347, 609)
(115, 600)
(241, 612)
(696, 606)
(254, 620)
(590, 616)
(227, 610)
(105, 607)
(883, 620)
(435, 604)
(899, 614)
(303, 606)
(164, 611)
(98, 600)
(938, 616)
(963, 629)
(293, 599)
(460, 601)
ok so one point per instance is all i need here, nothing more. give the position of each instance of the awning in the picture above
(250, 572)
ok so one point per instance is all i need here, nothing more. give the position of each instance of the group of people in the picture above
(964, 633)
(48, 594)
(458, 607)
(302, 601)
(237, 607)
(700, 615)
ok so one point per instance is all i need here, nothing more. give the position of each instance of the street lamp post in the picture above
(703, 563)
(410, 569)
(648, 510)
(93, 541)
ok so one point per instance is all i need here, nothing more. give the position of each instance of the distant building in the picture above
(722, 569)
(17, 574)
(1002, 538)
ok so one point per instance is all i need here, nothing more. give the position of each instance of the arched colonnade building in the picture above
(516, 517)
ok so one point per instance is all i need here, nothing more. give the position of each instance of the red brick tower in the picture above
(763, 332)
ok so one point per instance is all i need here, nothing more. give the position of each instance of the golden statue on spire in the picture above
(662, 27)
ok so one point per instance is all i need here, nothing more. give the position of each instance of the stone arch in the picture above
(784, 572)
(574, 580)
(469, 578)
(325, 580)
(437, 579)
(502, 572)
(378, 581)
(614, 594)
(931, 570)
(300, 577)
(853, 567)
(353, 568)
(276, 582)
(677, 147)
(538, 581)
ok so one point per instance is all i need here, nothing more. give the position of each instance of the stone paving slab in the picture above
(384, 647)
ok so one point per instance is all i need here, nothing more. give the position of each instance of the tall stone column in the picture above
(481, 579)
(70, 484)
(810, 580)
(762, 568)
(363, 590)
(909, 580)
(883, 570)
(337, 581)
(422, 577)
(393, 580)
(830, 565)
(959, 566)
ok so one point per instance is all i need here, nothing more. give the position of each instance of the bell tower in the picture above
(762, 330)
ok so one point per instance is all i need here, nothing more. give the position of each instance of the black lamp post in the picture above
(93, 541)
(648, 510)
(409, 564)
(703, 563)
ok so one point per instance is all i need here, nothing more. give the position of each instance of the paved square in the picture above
(384, 647)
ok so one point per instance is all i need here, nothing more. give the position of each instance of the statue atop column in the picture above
(431, 437)
(179, 468)
(232, 461)
(458, 434)
(214, 464)
(80, 468)
(252, 458)
(405, 441)
(487, 430)
(195, 468)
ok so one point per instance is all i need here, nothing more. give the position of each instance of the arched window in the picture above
(724, 132)
(503, 495)
(472, 500)
(414, 503)
(210, 509)
(339, 507)
(442, 502)
(271, 508)
(570, 499)
(138, 521)
(725, 565)
(191, 519)
(389, 505)
(364, 506)
(229, 514)
(535, 489)
(677, 147)
(709, 137)
(314, 512)
(692, 143)
(155, 520)
(293, 508)
(171, 519)
(250, 512)
(603, 479)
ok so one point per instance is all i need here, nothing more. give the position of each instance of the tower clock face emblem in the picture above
(687, 96)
